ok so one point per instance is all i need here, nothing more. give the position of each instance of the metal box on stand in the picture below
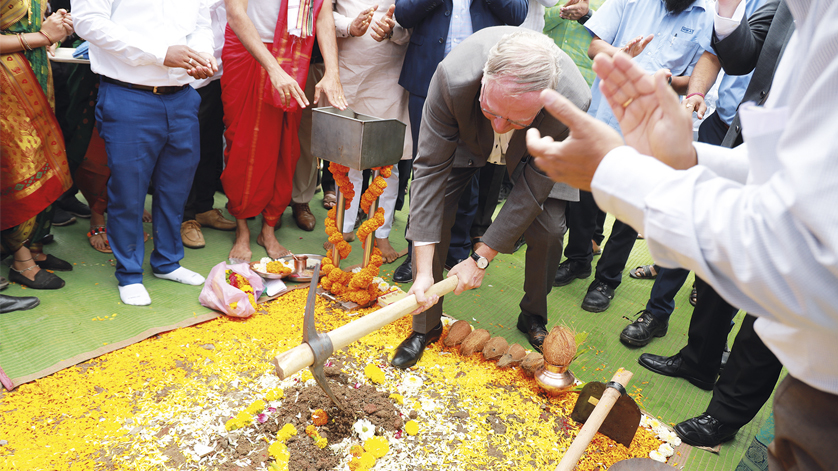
(356, 140)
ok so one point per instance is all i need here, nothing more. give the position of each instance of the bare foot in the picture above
(241, 247)
(146, 216)
(267, 239)
(387, 251)
(347, 236)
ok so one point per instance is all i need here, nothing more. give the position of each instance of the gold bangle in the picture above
(47, 36)
(25, 42)
(20, 40)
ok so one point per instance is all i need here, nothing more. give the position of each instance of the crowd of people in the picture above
(182, 99)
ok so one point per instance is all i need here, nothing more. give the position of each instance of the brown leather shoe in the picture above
(302, 214)
(190, 233)
(214, 219)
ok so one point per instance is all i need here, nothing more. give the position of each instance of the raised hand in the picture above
(637, 45)
(55, 27)
(652, 120)
(383, 28)
(574, 9)
(574, 160)
(362, 22)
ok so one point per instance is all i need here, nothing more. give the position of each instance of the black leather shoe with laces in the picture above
(640, 332)
(534, 328)
(598, 298)
(570, 270)
(705, 430)
(410, 350)
(404, 272)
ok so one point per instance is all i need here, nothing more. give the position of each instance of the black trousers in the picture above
(707, 335)
(746, 383)
(207, 175)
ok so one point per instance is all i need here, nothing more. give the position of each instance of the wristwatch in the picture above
(482, 262)
(584, 18)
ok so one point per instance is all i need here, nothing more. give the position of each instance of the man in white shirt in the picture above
(758, 222)
(147, 53)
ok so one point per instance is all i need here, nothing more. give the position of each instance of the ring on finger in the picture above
(627, 102)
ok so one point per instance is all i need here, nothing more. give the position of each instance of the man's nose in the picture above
(500, 125)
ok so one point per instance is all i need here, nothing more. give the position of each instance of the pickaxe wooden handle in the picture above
(301, 356)
(603, 407)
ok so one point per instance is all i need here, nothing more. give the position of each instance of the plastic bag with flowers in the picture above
(232, 289)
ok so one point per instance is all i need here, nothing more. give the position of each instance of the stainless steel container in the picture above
(356, 140)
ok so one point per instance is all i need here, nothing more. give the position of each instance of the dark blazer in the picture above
(455, 134)
(430, 20)
(756, 45)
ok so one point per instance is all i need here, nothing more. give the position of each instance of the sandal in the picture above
(330, 199)
(645, 272)
(97, 231)
(694, 296)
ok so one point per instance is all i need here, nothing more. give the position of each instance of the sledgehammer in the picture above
(302, 356)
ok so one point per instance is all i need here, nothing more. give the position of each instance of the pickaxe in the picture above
(317, 347)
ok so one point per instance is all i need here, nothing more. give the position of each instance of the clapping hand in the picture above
(637, 45)
(574, 9)
(383, 28)
(362, 22)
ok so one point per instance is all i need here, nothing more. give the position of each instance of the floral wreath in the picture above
(357, 286)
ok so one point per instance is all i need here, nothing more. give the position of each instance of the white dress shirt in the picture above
(218, 20)
(129, 38)
(759, 222)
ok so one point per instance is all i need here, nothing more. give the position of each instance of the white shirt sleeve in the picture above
(725, 26)
(201, 40)
(92, 21)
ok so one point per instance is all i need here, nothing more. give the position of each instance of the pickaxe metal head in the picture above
(623, 419)
(321, 344)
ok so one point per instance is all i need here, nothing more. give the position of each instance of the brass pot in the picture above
(554, 379)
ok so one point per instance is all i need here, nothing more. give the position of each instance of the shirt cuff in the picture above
(722, 26)
(618, 184)
(727, 163)
(422, 244)
(342, 25)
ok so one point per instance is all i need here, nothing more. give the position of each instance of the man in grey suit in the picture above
(485, 89)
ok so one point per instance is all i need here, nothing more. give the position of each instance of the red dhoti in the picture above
(262, 143)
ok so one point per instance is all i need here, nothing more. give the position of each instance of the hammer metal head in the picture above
(321, 344)
(622, 421)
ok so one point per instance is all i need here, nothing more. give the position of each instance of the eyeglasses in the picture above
(516, 124)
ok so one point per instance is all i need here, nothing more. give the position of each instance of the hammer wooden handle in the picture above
(301, 356)
(603, 407)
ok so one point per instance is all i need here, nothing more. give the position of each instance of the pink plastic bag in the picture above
(217, 294)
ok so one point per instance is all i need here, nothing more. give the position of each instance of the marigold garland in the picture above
(356, 287)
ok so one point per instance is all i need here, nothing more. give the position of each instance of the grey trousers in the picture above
(544, 249)
(305, 176)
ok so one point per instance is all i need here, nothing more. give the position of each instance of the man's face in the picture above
(506, 112)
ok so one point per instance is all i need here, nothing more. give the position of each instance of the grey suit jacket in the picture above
(455, 134)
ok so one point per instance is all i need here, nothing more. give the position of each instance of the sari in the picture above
(33, 169)
(262, 136)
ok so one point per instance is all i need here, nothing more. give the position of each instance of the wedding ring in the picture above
(627, 102)
(190, 61)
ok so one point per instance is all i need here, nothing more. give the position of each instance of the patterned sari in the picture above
(33, 167)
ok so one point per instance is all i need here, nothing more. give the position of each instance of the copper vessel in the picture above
(554, 379)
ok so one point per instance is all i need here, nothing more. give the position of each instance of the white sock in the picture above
(134, 295)
(182, 275)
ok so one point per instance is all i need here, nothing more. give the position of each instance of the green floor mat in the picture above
(85, 319)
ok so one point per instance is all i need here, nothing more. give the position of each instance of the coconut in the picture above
(514, 354)
(475, 342)
(495, 347)
(559, 346)
(457, 333)
(532, 362)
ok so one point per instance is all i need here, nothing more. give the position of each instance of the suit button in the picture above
(762, 94)
(738, 128)
(470, 162)
(447, 13)
(441, 40)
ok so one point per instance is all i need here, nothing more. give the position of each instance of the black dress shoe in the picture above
(705, 430)
(72, 205)
(43, 280)
(411, 349)
(13, 303)
(640, 332)
(62, 218)
(673, 366)
(598, 298)
(535, 330)
(404, 272)
(570, 270)
(54, 263)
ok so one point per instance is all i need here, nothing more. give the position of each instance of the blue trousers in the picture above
(149, 139)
